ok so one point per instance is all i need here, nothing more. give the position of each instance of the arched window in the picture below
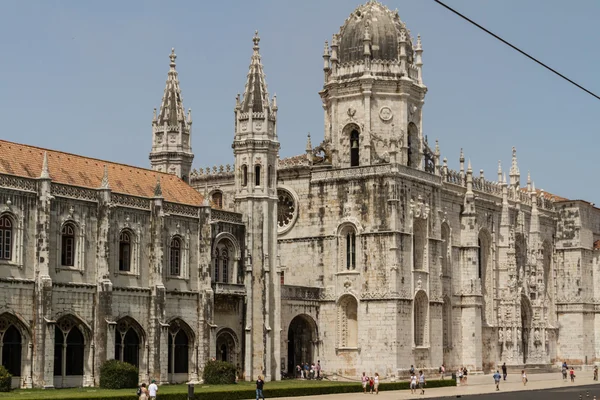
(217, 200)
(223, 270)
(484, 272)
(6, 238)
(413, 146)
(127, 344)
(446, 248)
(348, 322)
(68, 350)
(178, 352)
(11, 345)
(227, 348)
(257, 175)
(68, 245)
(354, 149)
(175, 257)
(244, 175)
(421, 320)
(125, 251)
(419, 243)
(347, 246)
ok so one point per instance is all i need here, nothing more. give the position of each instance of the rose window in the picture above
(286, 209)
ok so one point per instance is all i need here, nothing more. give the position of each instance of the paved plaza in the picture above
(482, 387)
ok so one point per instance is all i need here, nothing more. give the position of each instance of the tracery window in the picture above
(6, 238)
(178, 353)
(413, 146)
(68, 245)
(175, 257)
(127, 343)
(419, 243)
(286, 209)
(69, 345)
(350, 250)
(223, 270)
(11, 346)
(421, 320)
(125, 251)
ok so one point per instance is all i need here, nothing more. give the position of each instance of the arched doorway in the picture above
(11, 350)
(526, 317)
(69, 354)
(227, 346)
(302, 335)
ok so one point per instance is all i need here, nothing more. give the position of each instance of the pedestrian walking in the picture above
(142, 392)
(422, 382)
(260, 384)
(413, 383)
(376, 383)
(365, 380)
(564, 371)
(497, 380)
(572, 375)
(318, 368)
(595, 372)
(371, 384)
(524, 377)
(504, 371)
(152, 390)
(442, 371)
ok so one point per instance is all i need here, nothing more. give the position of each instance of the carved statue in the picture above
(508, 335)
(500, 335)
(518, 335)
(536, 336)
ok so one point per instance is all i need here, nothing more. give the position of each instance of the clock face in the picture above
(286, 209)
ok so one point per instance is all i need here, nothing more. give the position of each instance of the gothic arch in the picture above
(352, 133)
(15, 338)
(521, 255)
(72, 353)
(226, 256)
(419, 244)
(181, 342)
(228, 346)
(302, 336)
(129, 341)
(347, 306)
(348, 248)
(232, 239)
(526, 324)
(421, 319)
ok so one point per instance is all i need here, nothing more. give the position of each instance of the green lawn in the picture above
(90, 393)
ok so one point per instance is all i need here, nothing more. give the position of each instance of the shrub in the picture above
(116, 374)
(5, 379)
(219, 373)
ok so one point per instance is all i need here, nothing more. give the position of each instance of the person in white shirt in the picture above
(153, 390)
(413, 383)
(376, 383)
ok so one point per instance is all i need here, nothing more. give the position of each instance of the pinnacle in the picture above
(171, 109)
(256, 96)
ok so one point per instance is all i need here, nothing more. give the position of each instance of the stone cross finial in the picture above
(308, 143)
(256, 40)
(45, 173)
(173, 57)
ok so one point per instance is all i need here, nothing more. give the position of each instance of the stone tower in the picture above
(373, 91)
(256, 150)
(171, 130)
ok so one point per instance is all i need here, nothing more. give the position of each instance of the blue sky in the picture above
(84, 76)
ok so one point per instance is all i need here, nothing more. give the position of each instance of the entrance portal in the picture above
(302, 335)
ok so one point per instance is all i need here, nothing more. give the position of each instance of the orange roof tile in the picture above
(71, 169)
(547, 195)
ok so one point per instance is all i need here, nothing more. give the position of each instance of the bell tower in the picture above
(171, 130)
(256, 150)
(373, 91)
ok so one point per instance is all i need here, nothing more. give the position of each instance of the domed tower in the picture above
(373, 91)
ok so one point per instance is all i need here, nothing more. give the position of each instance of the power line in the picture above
(517, 49)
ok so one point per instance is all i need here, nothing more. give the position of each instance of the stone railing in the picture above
(123, 200)
(420, 175)
(212, 172)
(74, 192)
(180, 209)
(289, 292)
(487, 186)
(225, 216)
(351, 173)
(234, 289)
(14, 182)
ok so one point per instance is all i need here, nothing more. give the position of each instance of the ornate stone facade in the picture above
(366, 252)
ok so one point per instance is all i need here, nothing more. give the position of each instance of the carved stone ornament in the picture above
(419, 208)
(385, 113)
(258, 125)
(351, 112)
(244, 126)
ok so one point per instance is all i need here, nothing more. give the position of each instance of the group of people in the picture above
(370, 383)
(418, 381)
(148, 393)
(306, 371)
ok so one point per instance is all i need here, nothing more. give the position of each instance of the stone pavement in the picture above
(477, 384)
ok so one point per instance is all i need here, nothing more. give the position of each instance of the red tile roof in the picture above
(71, 169)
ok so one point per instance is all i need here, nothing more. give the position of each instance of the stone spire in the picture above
(419, 58)
(499, 171)
(515, 176)
(256, 96)
(45, 172)
(171, 130)
(171, 108)
(308, 143)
